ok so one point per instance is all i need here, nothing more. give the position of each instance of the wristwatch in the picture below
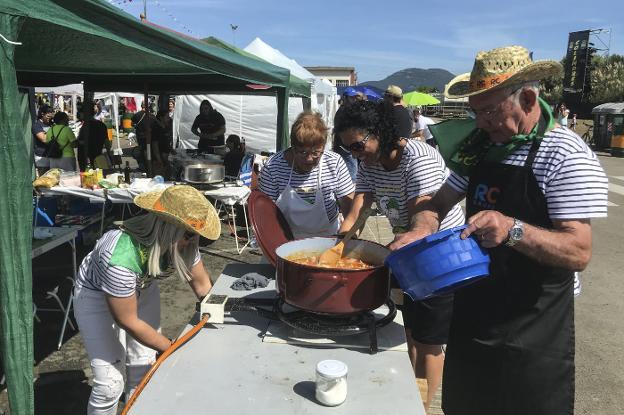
(516, 232)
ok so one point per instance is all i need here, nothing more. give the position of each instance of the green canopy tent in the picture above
(69, 41)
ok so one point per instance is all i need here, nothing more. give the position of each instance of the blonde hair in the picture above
(160, 237)
(308, 130)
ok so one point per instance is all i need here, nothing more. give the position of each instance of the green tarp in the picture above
(16, 326)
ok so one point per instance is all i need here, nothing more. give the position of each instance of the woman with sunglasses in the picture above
(309, 185)
(399, 175)
(116, 296)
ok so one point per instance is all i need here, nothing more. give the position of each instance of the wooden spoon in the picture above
(332, 255)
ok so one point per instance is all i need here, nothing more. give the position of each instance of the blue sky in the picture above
(382, 37)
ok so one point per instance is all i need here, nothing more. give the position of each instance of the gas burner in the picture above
(335, 325)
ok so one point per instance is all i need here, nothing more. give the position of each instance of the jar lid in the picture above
(332, 368)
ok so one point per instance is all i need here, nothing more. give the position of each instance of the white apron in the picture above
(305, 219)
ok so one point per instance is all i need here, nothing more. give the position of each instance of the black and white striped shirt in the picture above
(568, 173)
(420, 172)
(97, 274)
(335, 180)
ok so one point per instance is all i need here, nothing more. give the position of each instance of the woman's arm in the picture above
(125, 314)
(200, 280)
(361, 200)
(345, 203)
(194, 127)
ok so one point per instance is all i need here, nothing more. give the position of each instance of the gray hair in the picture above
(160, 237)
(516, 89)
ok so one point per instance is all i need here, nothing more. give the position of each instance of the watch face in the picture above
(516, 233)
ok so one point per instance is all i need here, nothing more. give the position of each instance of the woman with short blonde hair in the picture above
(309, 184)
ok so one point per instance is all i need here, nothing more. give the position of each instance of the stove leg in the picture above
(372, 334)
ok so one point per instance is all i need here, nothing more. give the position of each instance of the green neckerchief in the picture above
(463, 146)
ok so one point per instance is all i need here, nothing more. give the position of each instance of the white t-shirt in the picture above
(336, 181)
(568, 173)
(423, 123)
(421, 172)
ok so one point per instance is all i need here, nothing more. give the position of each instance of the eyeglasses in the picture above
(302, 153)
(489, 114)
(358, 145)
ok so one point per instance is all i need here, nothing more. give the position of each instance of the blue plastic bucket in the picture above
(438, 264)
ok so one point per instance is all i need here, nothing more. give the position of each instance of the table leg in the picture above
(71, 296)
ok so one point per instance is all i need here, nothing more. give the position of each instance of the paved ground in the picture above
(62, 377)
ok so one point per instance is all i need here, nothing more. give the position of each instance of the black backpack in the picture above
(54, 149)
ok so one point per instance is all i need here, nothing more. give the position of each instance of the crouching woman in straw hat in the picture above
(117, 300)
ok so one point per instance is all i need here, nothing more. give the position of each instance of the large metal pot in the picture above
(204, 173)
(329, 290)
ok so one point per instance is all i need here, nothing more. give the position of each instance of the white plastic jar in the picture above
(331, 382)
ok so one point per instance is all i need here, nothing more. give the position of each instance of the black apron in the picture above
(511, 345)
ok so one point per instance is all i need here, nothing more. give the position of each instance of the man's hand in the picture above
(490, 227)
(406, 238)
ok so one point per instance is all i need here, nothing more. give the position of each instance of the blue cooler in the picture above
(438, 264)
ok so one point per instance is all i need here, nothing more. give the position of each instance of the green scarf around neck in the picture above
(463, 146)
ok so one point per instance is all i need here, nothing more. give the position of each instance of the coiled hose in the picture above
(179, 342)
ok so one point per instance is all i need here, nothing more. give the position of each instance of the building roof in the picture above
(330, 68)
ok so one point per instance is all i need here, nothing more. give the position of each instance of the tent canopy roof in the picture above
(68, 41)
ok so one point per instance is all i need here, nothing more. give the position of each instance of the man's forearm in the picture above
(563, 248)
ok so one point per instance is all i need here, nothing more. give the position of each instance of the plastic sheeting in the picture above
(249, 116)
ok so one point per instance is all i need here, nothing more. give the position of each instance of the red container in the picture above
(331, 290)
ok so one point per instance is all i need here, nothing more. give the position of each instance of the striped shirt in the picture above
(97, 274)
(568, 173)
(420, 172)
(335, 180)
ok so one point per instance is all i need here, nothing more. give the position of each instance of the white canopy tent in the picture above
(254, 117)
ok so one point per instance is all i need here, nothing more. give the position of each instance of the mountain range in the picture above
(411, 79)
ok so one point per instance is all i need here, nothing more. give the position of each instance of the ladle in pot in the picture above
(332, 255)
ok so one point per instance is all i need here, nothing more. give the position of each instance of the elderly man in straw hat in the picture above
(117, 301)
(531, 188)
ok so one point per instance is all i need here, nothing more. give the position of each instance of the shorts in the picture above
(429, 320)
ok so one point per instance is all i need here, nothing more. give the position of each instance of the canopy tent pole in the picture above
(148, 133)
(117, 151)
(16, 158)
(282, 141)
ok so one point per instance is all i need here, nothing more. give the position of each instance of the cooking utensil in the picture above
(438, 264)
(333, 290)
(333, 254)
(204, 173)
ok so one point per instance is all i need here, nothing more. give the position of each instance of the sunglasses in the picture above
(358, 145)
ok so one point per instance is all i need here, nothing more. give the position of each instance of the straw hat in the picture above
(183, 205)
(500, 67)
(395, 91)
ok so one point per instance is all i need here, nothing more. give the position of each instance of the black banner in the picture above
(574, 79)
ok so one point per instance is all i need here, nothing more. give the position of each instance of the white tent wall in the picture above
(252, 117)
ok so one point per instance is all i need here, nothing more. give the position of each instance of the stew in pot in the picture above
(344, 263)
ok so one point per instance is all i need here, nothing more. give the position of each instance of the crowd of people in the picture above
(509, 338)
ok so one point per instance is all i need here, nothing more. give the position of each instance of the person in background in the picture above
(234, 156)
(401, 175)
(117, 299)
(393, 98)
(349, 96)
(573, 122)
(421, 128)
(92, 139)
(141, 121)
(161, 143)
(39, 129)
(562, 115)
(99, 113)
(209, 126)
(310, 186)
(171, 108)
(66, 139)
(511, 345)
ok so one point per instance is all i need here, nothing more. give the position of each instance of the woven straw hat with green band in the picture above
(183, 205)
(498, 68)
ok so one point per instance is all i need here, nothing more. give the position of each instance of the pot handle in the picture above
(338, 279)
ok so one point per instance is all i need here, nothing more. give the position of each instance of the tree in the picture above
(607, 79)
(427, 89)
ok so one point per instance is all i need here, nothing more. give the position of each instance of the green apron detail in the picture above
(130, 254)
